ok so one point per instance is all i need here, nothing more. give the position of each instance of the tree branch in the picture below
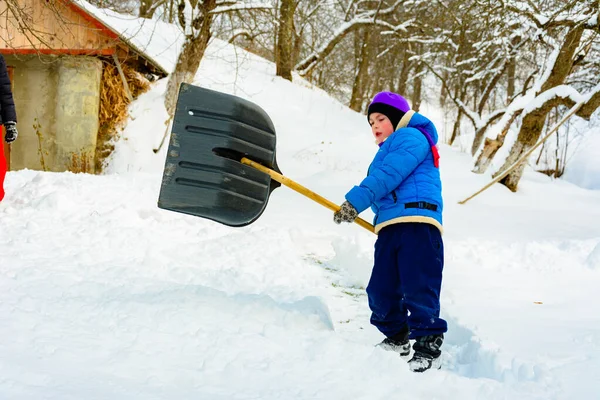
(365, 19)
(475, 119)
(589, 106)
(239, 7)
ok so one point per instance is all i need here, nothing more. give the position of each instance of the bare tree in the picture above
(285, 39)
(362, 69)
(148, 7)
(362, 20)
(195, 18)
(564, 31)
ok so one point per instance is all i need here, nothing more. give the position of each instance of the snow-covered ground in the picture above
(105, 296)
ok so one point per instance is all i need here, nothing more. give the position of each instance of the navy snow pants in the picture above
(406, 280)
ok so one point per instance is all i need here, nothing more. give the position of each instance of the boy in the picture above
(404, 190)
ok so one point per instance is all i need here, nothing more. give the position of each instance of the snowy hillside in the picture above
(105, 296)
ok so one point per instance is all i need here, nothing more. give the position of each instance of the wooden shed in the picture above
(59, 56)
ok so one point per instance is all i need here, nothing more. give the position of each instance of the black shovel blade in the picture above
(203, 175)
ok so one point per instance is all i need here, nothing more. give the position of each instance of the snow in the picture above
(561, 91)
(104, 295)
(593, 260)
(583, 169)
(156, 39)
(498, 127)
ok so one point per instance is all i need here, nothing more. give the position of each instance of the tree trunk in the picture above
(297, 46)
(534, 121)
(285, 39)
(511, 180)
(147, 9)
(456, 128)
(444, 90)
(511, 68)
(404, 72)
(417, 88)
(487, 89)
(171, 14)
(491, 146)
(481, 130)
(305, 66)
(190, 56)
(479, 135)
(358, 88)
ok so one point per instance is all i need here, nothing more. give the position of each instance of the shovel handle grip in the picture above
(302, 190)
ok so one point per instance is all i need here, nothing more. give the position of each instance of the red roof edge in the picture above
(108, 31)
(71, 52)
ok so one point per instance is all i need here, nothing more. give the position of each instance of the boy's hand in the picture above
(347, 213)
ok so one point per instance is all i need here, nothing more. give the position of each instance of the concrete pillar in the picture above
(76, 113)
(34, 91)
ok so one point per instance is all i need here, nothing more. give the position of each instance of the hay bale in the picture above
(114, 106)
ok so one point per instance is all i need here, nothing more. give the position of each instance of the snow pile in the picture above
(583, 169)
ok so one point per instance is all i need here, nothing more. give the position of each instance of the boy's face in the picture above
(381, 126)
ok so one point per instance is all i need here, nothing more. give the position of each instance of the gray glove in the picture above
(11, 132)
(347, 213)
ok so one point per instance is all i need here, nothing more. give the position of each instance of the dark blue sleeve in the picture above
(7, 104)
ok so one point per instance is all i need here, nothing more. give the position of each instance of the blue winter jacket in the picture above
(403, 184)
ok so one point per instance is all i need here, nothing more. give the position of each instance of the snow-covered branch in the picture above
(365, 19)
(563, 17)
(240, 7)
(568, 97)
(380, 12)
(472, 115)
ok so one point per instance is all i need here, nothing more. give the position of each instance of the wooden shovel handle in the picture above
(302, 190)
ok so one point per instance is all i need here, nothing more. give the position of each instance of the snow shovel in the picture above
(221, 160)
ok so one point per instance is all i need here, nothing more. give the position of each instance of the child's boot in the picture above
(398, 343)
(427, 353)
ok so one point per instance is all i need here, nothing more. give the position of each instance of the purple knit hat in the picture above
(392, 105)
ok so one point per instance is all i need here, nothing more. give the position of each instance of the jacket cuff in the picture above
(359, 198)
